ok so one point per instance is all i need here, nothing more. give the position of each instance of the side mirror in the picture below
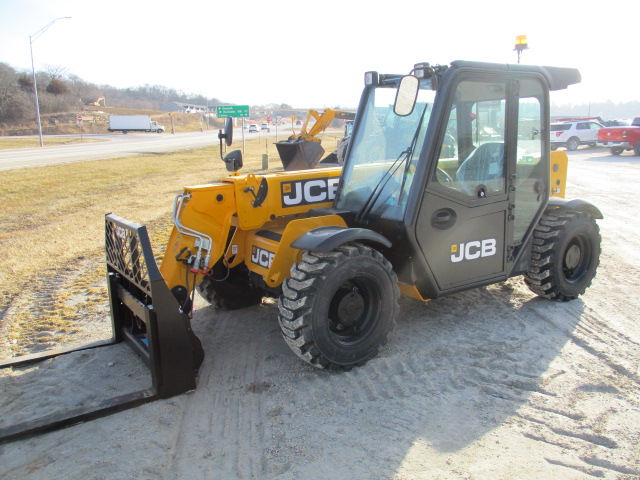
(233, 160)
(228, 132)
(406, 95)
(227, 136)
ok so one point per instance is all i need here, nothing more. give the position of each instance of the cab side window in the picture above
(472, 160)
(531, 171)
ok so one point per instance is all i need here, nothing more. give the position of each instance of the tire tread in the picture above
(540, 278)
(299, 294)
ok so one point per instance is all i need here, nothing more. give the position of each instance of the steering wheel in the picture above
(442, 176)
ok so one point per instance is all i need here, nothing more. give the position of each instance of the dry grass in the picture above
(52, 239)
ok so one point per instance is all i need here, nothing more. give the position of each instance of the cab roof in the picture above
(558, 78)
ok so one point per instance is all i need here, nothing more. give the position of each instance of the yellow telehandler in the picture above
(448, 183)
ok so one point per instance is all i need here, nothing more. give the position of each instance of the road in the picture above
(117, 145)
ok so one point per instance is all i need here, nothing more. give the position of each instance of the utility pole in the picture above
(33, 38)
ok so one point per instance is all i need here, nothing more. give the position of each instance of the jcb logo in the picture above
(261, 257)
(473, 250)
(306, 192)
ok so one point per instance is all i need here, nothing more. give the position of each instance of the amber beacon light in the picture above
(521, 45)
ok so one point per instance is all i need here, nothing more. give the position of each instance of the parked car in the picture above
(573, 134)
(619, 139)
(253, 127)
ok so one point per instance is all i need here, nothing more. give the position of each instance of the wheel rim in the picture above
(353, 311)
(576, 259)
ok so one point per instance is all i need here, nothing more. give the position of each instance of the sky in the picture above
(314, 54)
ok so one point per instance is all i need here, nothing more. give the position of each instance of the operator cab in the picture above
(385, 146)
(451, 164)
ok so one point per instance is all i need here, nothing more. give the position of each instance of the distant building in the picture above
(186, 108)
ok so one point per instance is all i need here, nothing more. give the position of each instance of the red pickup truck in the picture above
(619, 139)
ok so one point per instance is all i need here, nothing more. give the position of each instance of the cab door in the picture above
(474, 217)
(461, 227)
(588, 131)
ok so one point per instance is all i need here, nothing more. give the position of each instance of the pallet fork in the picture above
(146, 315)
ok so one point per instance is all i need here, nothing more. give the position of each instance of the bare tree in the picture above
(56, 72)
(78, 87)
(14, 102)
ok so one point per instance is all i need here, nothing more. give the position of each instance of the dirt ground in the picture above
(493, 383)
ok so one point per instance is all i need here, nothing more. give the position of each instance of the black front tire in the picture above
(565, 255)
(338, 308)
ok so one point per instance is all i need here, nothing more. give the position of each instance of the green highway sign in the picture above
(224, 111)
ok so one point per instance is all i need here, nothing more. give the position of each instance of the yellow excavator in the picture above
(303, 151)
(97, 102)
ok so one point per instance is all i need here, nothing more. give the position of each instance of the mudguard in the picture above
(325, 239)
(576, 204)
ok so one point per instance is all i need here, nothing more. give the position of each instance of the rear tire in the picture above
(616, 150)
(636, 149)
(338, 308)
(565, 255)
(573, 143)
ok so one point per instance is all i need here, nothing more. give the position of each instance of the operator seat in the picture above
(485, 166)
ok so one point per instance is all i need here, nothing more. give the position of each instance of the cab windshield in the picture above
(377, 176)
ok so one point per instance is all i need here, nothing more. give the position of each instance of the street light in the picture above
(33, 38)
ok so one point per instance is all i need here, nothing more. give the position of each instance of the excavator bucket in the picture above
(299, 154)
(144, 314)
